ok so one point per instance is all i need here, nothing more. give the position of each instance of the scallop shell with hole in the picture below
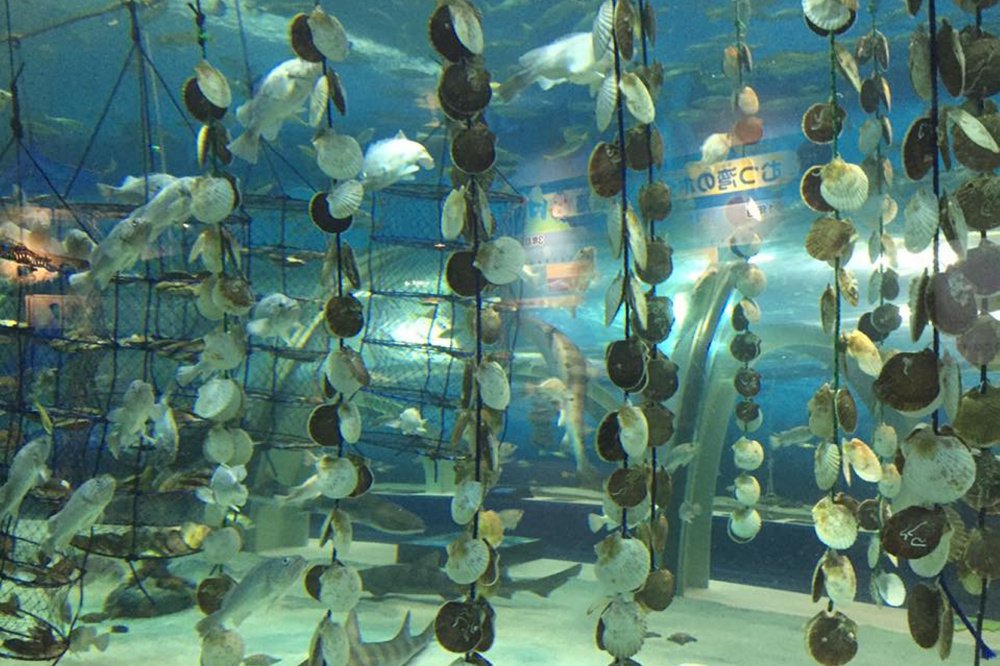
(832, 638)
(468, 559)
(843, 185)
(835, 524)
(621, 629)
(748, 454)
(744, 525)
(939, 468)
(467, 500)
(622, 564)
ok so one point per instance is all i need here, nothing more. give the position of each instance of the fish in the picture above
(397, 651)
(276, 315)
(409, 422)
(797, 436)
(688, 511)
(681, 638)
(165, 438)
(425, 577)
(128, 421)
(27, 470)
(565, 361)
(81, 639)
(379, 513)
(133, 188)
(281, 95)
(263, 585)
(680, 455)
(224, 350)
(82, 510)
(391, 160)
(573, 139)
(226, 489)
(569, 59)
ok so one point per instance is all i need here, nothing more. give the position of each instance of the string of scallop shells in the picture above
(835, 188)
(625, 435)
(482, 262)
(748, 455)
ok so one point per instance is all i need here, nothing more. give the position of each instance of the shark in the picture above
(397, 651)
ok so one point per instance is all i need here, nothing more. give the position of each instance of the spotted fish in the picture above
(397, 651)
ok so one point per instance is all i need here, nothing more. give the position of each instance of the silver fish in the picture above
(276, 315)
(224, 350)
(797, 436)
(133, 188)
(82, 510)
(680, 455)
(27, 470)
(568, 59)
(264, 584)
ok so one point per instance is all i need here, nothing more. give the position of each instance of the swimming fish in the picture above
(384, 515)
(397, 651)
(797, 436)
(226, 489)
(281, 95)
(276, 315)
(688, 511)
(27, 470)
(264, 584)
(680, 455)
(133, 188)
(224, 350)
(82, 510)
(391, 160)
(568, 59)
(128, 421)
(81, 639)
(165, 437)
(410, 422)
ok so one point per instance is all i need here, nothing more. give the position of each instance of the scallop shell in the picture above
(835, 573)
(909, 382)
(345, 370)
(746, 489)
(835, 524)
(464, 90)
(213, 199)
(748, 454)
(919, 148)
(338, 477)
(981, 268)
(218, 445)
(344, 316)
(869, 136)
(747, 131)
(922, 220)
(339, 156)
(501, 260)
(820, 408)
(862, 460)
(832, 638)
(345, 199)
(974, 139)
(493, 385)
(328, 35)
(643, 147)
(221, 546)
(633, 431)
(655, 201)
(625, 18)
(622, 564)
(920, 63)
(604, 24)
(340, 588)
(627, 487)
(830, 238)
(939, 468)
(863, 350)
(219, 400)
(751, 281)
(931, 564)
(468, 559)
(809, 190)
(980, 201)
(821, 122)
(317, 101)
(637, 98)
(467, 26)
(891, 482)
(890, 588)
(621, 630)
(923, 610)
(453, 214)
(213, 85)
(951, 59)
(350, 422)
(744, 525)
(636, 238)
(951, 302)
(604, 170)
(982, 554)
(473, 149)
(884, 440)
(233, 295)
(978, 419)
(745, 100)
(844, 186)
(828, 309)
(716, 147)
(466, 501)
(830, 15)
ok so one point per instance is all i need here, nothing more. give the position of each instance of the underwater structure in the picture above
(499, 332)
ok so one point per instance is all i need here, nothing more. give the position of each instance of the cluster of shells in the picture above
(635, 494)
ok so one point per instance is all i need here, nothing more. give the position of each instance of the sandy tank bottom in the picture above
(735, 625)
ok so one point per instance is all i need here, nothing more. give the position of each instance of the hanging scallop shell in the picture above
(847, 410)
(921, 215)
(869, 136)
(604, 170)
(604, 24)
(613, 298)
(607, 102)
(345, 199)
(834, 573)
(213, 199)
(835, 524)
(919, 148)
(751, 281)
(222, 545)
(909, 382)
(453, 214)
(224, 647)
(466, 502)
(213, 85)
(350, 422)
(890, 588)
(828, 309)
(918, 305)
(337, 477)
(197, 104)
(862, 460)
(345, 371)
(810, 193)
(633, 430)
(637, 301)
(820, 408)
(939, 468)
(339, 156)
(744, 525)
(931, 564)
(636, 238)
(493, 385)
(622, 564)
(219, 400)
(822, 121)
(748, 454)
(625, 19)
(875, 92)
(745, 101)
(328, 35)
(829, 15)
(621, 629)
(826, 465)
(338, 530)
(863, 350)
(317, 101)
(339, 587)
(468, 559)
(830, 238)
(920, 63)
(844, 186)
(716, 147)
(746, 489)
(951, 385)
(637, 98)
(884, 440)
(467, 25)
(501, 260)
(951, 59)
(892, 481)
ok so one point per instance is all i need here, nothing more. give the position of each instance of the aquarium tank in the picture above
(514, 332)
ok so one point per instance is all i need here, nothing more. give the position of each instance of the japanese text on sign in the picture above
(745, 173)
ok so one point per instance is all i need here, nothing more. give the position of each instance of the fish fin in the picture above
(595, 522)
(546, 585)
(404, 629)
(400, 135)
(102, 641)
(351, 627)
(107, 191)
(246, 146)
(187, 374)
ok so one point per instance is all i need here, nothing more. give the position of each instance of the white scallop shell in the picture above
(468, 559)
(224, 647)
(318, 101)
(613, 298)
(820, 408)
(922, 218)
(835, 524)
(633, 430)
(218, 445)
(213, 85)
(340, 588)
(839, 578)
(345, 370)
(891, 482)
(493, 385)
(212, 199)
(862, 459)
(205, 304)
(716, 147)
(222, 545)
(501, 260)
(884, 440)
(623, 625)
(826, 465)
(748, 454)
(622, 564)
(345, 199)
(746, 489)
(874, 550)
(844, 186)
(466, 501)
(744, 525)
(604, 24)
(338, 525)
(931, 564)
(637, 99)
(337, 155)
(939, 468)
(453, 214)
(827, 14)
(607, 102)
(336, 477)
(328, 35)
(350, 422)
(466, 25)
(219, 400)
(891, 588)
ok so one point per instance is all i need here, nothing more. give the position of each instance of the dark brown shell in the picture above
(473, 149)
(875, 92)
(663, 379)
(626, 364)
(659, 262)
(847, 411)
(981, 267)
(643, 147)
(460, 626)
(319, 213)
(919, 147)
(978, 418)
(823, 32)
(868, 514)
(747, 382)
(655, 201)
(211, 591)
(821, 120)
(443, 37)
(624, 19)
(908, 381)
(657, 593)
(982, 77)
(659, 319)
(337, 93)
(197, 104)
(747, 131)
(980, 201)
(627, 487)
(365, 476)
(344, 316)
(661, 423)
(979, 345)
(971, 154)
(809, 190)
(914, 532)
(301, 38)
(951, 302)
(606, 441)
(886, 318)
(604, 170)
(464, 90)
(923, 612)
(462, 276)
(311, 581)
(745, 347)
(747, 411)
(324, 425)
(918, 305)
(832, 638)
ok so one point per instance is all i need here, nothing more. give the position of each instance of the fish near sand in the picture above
(380, 514)
(27, 470)
(82, 510)
(281, 95)
(391, 160)
(264, 584)
(397, 651)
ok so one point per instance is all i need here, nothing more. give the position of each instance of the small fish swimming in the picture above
(680, 455)
(226, 489)
(27, 470)
(133, 188)
(384, 515)
(82, 510)
(410, 422)
(81, 639)
(389, 161)
(128, 422)
(224, 350)
(797, 436)
(281, 95)
(276, 315)
(264, 584)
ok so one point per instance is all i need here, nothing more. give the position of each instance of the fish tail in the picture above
(595, 522)
(246, 146)
(513, 86)
(187, 374)
(107, 191)
(102, 641)
(546, 585)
